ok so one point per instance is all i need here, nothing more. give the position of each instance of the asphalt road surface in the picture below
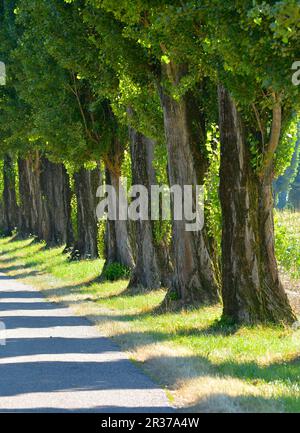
(54, 361)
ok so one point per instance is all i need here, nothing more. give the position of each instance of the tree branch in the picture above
(76, 93)
(259, 124)
(274, 136)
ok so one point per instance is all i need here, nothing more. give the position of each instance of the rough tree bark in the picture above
(45, 209)
(25, 226)
(10, 206)
(117, 245)
(86, 185)
(152, 267)
(55, 187)
(251, 288)
(195, 271)
(31, 220)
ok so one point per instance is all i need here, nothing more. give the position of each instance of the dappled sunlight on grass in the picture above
(30, 254)
(133, 304)
(205, 364)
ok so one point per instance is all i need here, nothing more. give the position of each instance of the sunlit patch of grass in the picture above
(30, 254)
(205, 365)
(132, 304)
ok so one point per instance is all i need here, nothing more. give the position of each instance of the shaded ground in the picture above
(54, 361)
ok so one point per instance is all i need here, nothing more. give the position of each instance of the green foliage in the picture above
(162, 228)
(284, 183)
(126, 168)
(116, 271)
(255, 152)
(101, 238)
(74, 215)
(17, 182)
(163, 232)
(287, 227)
(63, 115)
(253, 58)
(14, 112)
(286, 149)
(213, 213)
(294, 193)
(173, 296)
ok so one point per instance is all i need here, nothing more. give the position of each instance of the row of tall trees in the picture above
(177, 92)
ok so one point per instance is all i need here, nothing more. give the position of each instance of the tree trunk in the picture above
(151, 270)
(56, 192)
(251, 289)
(195, 272)
(32, 219)
(10, 206)
(117, 245)
(86, 185)
(25, 226)
(45, 196)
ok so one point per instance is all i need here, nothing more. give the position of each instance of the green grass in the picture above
(204, 366)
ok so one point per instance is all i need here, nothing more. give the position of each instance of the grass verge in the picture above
(203, 366)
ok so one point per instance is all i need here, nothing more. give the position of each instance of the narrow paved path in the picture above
(54, 361)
